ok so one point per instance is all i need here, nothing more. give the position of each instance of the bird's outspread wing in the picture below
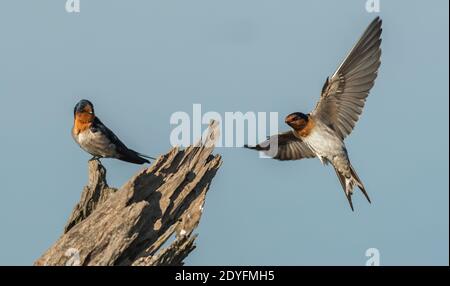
(344, 94)
(285, 146)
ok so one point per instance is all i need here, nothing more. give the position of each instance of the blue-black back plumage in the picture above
(97, 139)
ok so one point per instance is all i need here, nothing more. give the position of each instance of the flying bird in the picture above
(97, 139)
(321, 133)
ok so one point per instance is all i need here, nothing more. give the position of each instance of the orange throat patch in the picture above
(306, 130)
(82, 122)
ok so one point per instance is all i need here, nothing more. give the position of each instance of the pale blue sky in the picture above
(139, 61)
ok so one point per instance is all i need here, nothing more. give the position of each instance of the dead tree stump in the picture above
(128, 226)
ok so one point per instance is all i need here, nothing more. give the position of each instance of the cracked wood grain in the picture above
(129, 225)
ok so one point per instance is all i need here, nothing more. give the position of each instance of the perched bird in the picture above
(96, 139)
(321, 133)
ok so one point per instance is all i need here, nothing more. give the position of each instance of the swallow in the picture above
(321, 133)
(97, 139)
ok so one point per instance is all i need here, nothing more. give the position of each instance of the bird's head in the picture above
(84, 111)
(296, 120)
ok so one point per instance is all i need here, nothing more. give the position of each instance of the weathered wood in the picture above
(128, 226)
(96, 192)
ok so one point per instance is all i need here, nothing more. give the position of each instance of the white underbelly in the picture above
(324, 142)
(96, 144)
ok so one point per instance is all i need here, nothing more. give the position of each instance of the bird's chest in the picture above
(95, 143)
(324, 142)
(85, 138)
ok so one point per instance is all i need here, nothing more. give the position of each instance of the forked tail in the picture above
(132, 156)
(348, 182)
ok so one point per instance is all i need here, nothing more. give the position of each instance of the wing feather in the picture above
(284, 146)
(344, 94)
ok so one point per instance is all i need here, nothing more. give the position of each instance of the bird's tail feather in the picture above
(348, 193)
(359, 183)
(349, 183)
(146, 156)
(132, 156)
